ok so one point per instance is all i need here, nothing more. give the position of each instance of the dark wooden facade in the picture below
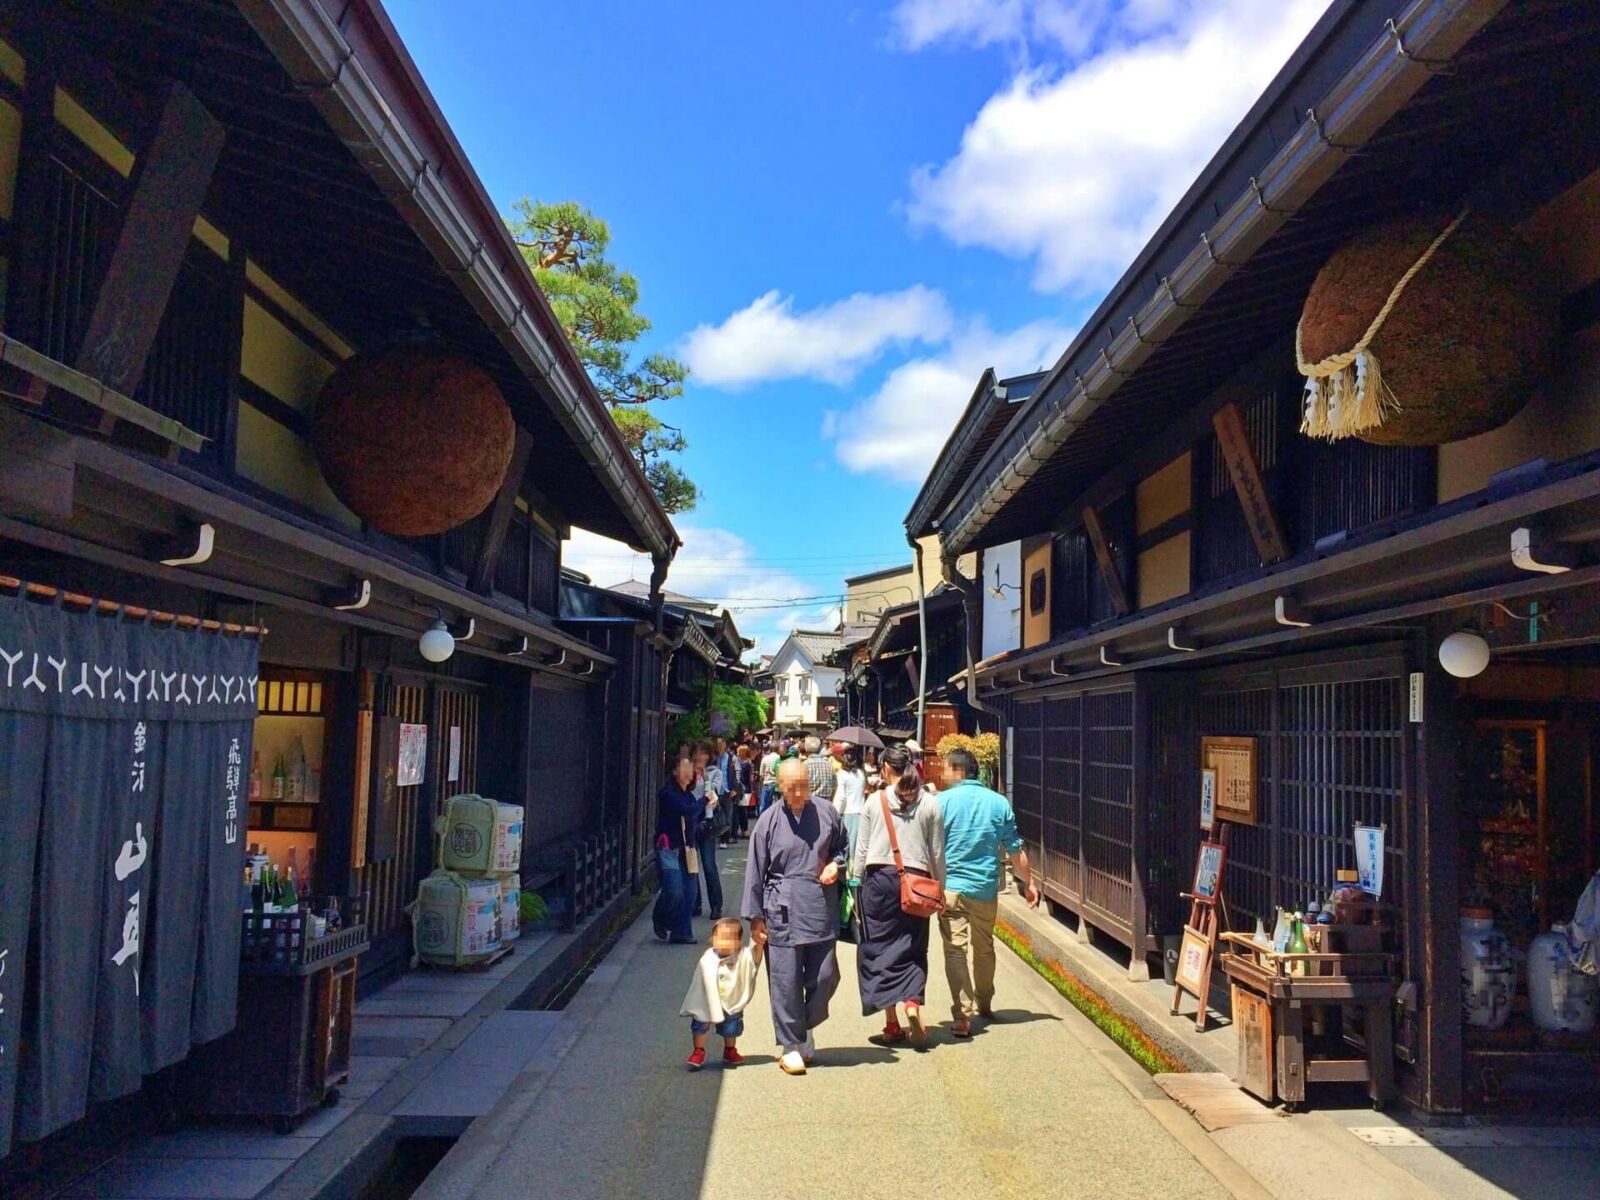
(1203, 568)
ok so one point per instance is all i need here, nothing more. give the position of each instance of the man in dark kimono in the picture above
(791, 899)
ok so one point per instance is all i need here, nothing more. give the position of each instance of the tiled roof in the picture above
(818, 643)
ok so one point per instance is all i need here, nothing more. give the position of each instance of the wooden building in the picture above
(1194, 564)
(207, 211)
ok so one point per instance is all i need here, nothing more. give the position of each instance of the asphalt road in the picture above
(1038, 1104)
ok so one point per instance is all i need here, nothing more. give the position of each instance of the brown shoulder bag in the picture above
(920, 895)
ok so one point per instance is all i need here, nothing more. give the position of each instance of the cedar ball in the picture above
(1468, 340)
(412, 440)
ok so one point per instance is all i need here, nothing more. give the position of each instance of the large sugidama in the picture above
(1425, 330)
(414, 441)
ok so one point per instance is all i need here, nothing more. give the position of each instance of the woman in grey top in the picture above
(892, 964)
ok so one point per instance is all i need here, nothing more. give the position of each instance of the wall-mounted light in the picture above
(437, 643)
(1464, 654)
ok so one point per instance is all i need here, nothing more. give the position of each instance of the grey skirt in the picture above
(892, 960)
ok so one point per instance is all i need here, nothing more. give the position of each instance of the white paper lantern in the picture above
(1464, 654)
(436, 644)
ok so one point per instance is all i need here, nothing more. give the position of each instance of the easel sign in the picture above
(1206, 908)
(1194, 963)
(1208, 872)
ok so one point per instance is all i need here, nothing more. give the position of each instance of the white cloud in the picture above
(901, 427)
(718, 566)
(1074, 166)
(768, 340)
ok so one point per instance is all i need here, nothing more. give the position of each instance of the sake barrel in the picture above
(1561, 998)
(457, 920)
(510, 908)
(480, 836)
(507, 854)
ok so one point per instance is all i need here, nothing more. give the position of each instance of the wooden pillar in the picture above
(1435, 875)
(1138, 959)
(32, 209)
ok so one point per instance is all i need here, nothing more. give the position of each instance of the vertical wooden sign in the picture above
(1095, 528)
(1247, 482)
(385, 819)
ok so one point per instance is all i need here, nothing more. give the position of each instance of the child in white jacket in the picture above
(724, 983)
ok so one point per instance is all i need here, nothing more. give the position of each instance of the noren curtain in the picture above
(123, 807)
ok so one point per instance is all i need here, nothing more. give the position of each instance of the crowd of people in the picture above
(843, 843)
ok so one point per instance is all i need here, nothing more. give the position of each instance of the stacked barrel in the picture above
(470, 906)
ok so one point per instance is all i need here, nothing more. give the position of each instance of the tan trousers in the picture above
(968, 924)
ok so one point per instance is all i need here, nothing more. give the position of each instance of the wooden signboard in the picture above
(1234, 761)
(1234, 440)
(385, 817)
(1252, 1020)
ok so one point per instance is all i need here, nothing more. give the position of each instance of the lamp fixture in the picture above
(1464, 654)
(436, 644)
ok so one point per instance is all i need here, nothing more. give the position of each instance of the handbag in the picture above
(920, 895)
(691, 856)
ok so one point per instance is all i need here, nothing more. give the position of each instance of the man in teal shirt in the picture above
(978, 822)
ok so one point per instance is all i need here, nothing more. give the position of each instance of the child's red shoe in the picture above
(731, 1057)
(697, 1060)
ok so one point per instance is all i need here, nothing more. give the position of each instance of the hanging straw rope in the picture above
(1345, 393)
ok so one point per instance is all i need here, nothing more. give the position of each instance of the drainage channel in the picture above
(409, 1165)
(537, 999)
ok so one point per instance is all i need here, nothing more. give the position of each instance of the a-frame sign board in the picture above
(1207, 910)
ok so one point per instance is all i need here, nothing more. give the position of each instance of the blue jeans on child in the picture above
(729, 1027)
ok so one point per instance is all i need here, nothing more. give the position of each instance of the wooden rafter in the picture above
(1096, 530)
(505, 500)
(169, 186)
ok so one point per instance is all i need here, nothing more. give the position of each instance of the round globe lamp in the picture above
(436, 644)
(1464, 654)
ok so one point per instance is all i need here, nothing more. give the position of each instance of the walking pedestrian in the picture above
(791, 899)
(769, 776)
(819, 768)
(850, 790)
(677, 812)
(728, 764)
(708, 787)
(978, 823)
(901, 831)
(744, 812)
(723, 985)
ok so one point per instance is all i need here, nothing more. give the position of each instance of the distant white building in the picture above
(805, 692)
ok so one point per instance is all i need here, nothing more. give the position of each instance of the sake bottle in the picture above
(255, 775)
(1297, 945)
(280, 779)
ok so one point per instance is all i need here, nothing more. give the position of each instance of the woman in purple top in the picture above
(677, 813)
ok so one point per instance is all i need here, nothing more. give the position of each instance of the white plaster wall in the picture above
(1002, 617)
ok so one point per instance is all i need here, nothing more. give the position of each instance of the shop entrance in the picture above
(1528, 847)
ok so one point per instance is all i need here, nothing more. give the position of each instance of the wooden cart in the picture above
(1274, 1007)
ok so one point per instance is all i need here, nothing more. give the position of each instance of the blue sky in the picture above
(839, 215)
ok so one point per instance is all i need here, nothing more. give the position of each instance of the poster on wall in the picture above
(413, 754)
(1208, 799)
(1369, 858)
(453, 771)
(1234, 761)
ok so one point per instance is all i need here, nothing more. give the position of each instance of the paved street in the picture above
(1037, 1105)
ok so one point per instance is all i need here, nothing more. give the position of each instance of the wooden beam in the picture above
(505, 500)
(1108, 565)
(1265, 531)
(169, 184)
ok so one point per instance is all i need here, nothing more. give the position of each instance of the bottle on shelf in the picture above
(1297, 945)
(280, 779)
(255, 776)
(294, 787)
(291, 887)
